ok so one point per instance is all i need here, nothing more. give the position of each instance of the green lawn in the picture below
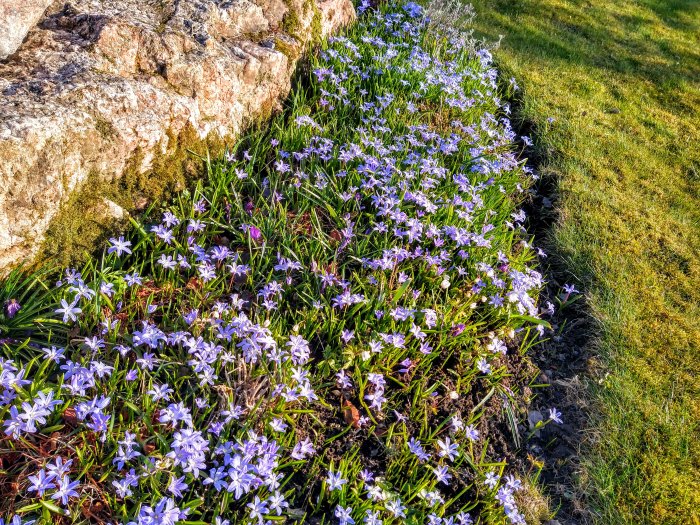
(622, 81)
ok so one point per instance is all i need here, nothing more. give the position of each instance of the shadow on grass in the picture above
(639, 172)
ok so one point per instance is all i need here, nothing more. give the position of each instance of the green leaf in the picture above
(28, 508)
(531, 319)
(53, 508)
(401, 290)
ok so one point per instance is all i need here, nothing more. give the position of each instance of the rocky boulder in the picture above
(104, 87)
(17, 17)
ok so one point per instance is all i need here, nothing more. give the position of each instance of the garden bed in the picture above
(331, 327)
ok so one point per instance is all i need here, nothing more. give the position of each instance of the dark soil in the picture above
(566, 359)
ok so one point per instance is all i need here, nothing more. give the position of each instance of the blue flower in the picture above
(120, 246)
(41, 482)
(66, 490)
(69, 311)
(335, 480)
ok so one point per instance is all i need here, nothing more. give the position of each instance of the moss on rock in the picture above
(82, 224)
(316, 26)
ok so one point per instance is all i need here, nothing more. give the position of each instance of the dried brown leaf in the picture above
(351, 414)
(70, 417)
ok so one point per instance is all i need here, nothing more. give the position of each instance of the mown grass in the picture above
(621, 79)
(354, 277)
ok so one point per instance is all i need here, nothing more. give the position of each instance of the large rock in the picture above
(102, 86)
(17, 17)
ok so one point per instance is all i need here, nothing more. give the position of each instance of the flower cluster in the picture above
(315, 329)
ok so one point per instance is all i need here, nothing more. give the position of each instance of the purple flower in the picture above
(160, 392)
(54, 354)
(447, 449)
(442, 475)
(416, 448)
(299, 349)
(457, 329)
(107, 289)
(216, 478)
(41, 482)
(491, 479)
(176, 486)
(364, 6)
(367, 476)
(166, 512)
(471, 433)
(343, 515)
(303, 449)
(569, 289)
(483, 366)
(190, 317)
(343, 380)
(132, 279)
(253, 231)
(119, 245)
(347, 336)
(59, 468)
(99, 423)
(413, 10)
(335, 480)
(258, 509)
(123, 485)
(65, 490)
(277, 503)
(278, 425)
(396, 508)
(69, 311)
(555, 415)
(12, 307)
